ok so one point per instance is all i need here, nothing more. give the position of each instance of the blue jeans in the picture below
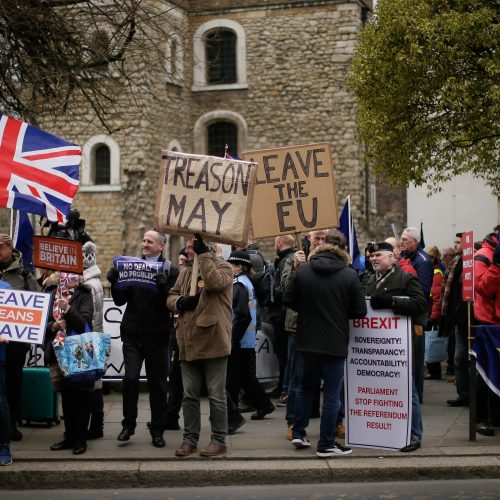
(288, 367)
(193, 374)
(331, 370)
(4, 410)
(416, 414)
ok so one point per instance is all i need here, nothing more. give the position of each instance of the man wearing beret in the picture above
(203, 334)
(19, 278)
(392, 288)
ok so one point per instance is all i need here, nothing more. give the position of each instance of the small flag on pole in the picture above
(349, 231)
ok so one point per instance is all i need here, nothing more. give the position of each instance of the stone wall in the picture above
(298, 54)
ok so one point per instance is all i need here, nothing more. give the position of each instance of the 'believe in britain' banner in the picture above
(136, 272)
(378, 381)
(23, 315)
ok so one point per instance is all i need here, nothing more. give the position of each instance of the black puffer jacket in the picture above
(146, 319)
(326, 293)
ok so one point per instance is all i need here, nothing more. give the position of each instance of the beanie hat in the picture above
(240, 257)
(89, 259)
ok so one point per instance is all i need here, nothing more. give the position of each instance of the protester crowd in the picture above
(197, 330)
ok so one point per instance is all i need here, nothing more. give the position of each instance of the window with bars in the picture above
(102, 165)
(220, 46)
(219, 134)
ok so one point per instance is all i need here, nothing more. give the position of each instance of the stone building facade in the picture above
(290, 60)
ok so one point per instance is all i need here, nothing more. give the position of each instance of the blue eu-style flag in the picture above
(23, 238)
(486, 350)
(349, 231)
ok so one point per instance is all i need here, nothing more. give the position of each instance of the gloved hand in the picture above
(161, 280)
(381, 302)
(496, 256)
(198, 246)
(113, 275)
(188, 303)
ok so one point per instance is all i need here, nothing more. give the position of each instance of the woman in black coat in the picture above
(72, 312)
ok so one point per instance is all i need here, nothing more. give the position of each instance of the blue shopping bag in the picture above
(436, 348)
(84, 357)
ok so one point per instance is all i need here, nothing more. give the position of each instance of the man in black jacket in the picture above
(326, 293)
(145, 334)
(392, 288)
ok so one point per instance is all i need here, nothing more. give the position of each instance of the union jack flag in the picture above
(228, 155)
(38, 171)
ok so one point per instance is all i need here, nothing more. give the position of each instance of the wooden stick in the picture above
(194, 275)
(298, 241)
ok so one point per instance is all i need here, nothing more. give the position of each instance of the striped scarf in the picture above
(447, 281)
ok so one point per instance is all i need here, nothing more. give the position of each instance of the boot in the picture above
(96, 427)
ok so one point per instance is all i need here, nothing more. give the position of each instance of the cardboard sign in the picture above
(23, 315)
(137, 272)
(207, 195)
(295, 190)
(468, 266)
(58, 254)
(378, 383)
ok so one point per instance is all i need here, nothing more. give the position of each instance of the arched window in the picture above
(219, 49)
(213, 130)
(218, 135)
(100, 165)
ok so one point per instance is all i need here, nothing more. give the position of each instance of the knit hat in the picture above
(5, 238)
(240, 257)
(89, 259)
(380, 247)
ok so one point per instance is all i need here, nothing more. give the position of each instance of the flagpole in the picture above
(11, 222)
(349, 222)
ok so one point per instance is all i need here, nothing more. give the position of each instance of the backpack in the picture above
(262, 279)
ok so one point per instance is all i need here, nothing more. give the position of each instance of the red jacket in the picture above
(406, 266)
(487, 284)
(435, 307)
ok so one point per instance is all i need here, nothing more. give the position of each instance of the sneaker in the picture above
(289, 432)
(340, 431)
(336, 450)
(5, 456)
(282, 401)
(301, 443)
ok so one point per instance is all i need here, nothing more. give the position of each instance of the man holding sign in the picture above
(19, 278)
(204, 336)
(392, 288)
(145, 334)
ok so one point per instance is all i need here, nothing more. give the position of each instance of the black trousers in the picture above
(155, 359)
(76, 405)
(241, 374)
(280, 347)
(175, 388)
(16, 357)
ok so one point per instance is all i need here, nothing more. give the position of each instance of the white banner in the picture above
(23, 315)
(378, 381)
(267, 363)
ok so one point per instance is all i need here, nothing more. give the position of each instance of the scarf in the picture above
(447, 281)
(64, 290)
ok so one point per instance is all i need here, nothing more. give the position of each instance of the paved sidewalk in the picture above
(257, 454)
